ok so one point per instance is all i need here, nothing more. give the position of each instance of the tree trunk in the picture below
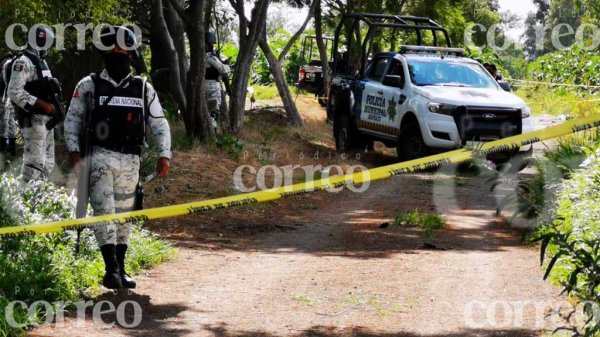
(282, 87)
(175, 83)
(177, 32)
(322, 47)
(198, 122)
(249, 36)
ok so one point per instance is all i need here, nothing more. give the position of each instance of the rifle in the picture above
(227, 85)
(84, 171)
(56, 95)
(138, 204)
(225, 79)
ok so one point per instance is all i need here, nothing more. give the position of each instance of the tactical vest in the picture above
(39, 88)
(119, 124)
(212, 74)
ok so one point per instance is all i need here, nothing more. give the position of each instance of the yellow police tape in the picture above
(336, 182)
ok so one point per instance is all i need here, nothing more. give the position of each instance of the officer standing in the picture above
(119, 106)
(7, 115)
(215, 68)
(29, 94)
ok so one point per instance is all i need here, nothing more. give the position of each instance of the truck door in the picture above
(372, 103)
(382, 101)
(394, 93)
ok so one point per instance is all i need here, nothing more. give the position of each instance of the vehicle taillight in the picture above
(301, 75)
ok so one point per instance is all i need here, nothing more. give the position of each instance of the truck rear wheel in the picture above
(345, 134)
(321, 97)
(410, 144)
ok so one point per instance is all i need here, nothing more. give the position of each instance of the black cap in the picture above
(210, 38)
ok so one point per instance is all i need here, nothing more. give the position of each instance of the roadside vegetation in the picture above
(569, 84)
(560, 206)
(427, 223)
(46, 267)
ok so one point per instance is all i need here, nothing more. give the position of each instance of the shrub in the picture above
(563, 200)
(429, 223)
(534, 197)
(572, 241)
(570, 66)
(45, 267)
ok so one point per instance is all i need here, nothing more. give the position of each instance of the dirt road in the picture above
(331, 270)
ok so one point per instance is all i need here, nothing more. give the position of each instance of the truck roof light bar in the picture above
(427, 49)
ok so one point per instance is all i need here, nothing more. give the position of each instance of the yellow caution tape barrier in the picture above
(336, 182)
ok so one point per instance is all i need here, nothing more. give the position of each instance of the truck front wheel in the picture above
(410, 144)
(345, 134)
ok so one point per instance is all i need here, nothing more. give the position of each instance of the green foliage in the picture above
(533, 197)
(428, 223)
(572, 240)
(563, 201)
(571, 66)
(558, 101)
(45, 267)
(230, 144)
(261, 74)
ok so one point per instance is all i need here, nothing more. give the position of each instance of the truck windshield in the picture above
(444, 73)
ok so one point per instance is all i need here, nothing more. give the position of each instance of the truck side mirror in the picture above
(395, 81)
(505, 85)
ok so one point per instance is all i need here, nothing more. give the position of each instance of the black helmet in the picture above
(210, 38)
(118, 36)
(43, 34)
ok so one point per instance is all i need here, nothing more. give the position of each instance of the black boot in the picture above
(11, 148)
(112, 278)
(126, 280)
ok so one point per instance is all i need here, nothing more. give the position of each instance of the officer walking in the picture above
(215, 68)
(29, 94)
(118, 106)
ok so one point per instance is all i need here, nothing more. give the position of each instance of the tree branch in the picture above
(179, 10)
(293, 39)
(167, 41)
(238, 6)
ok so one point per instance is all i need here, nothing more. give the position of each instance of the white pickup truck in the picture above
(423, 100)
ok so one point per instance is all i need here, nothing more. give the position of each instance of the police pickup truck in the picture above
(423, 99)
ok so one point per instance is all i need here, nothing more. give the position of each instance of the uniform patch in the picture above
(122, 101)
(18, 66)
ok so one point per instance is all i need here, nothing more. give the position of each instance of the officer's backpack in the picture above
(8, 66)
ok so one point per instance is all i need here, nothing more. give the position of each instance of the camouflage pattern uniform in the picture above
(8, 125)
(114, 175)
(212, 87)
(38, 155)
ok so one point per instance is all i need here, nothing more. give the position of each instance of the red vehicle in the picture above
(310, 74)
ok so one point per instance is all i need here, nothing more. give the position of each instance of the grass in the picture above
(561, 205)
(262, 92)
(428, 223)
(304, 299)
(559, 102)
(374, 303)
(45, 267)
